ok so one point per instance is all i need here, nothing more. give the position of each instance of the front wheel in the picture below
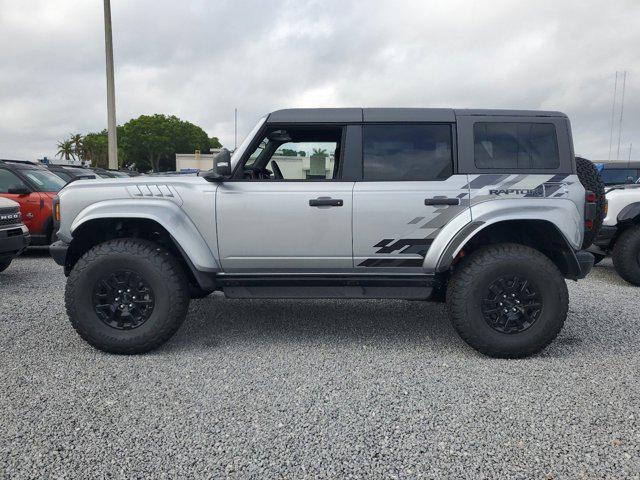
(626, 255)
(127, 296)
(507, 301)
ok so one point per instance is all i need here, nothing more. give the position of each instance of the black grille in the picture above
(10, 216)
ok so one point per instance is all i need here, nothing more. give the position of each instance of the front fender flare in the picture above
(166, 213)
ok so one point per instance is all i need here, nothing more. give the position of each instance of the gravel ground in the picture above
(316, 389)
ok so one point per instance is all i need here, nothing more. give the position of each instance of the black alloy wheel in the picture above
(123, 300)
(512, 304)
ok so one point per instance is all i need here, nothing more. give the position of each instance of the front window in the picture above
(295, 153)
(44, 180)
(238, 152)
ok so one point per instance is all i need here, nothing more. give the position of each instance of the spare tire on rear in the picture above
(591, 180)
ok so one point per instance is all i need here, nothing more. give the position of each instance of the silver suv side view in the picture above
(483, 209)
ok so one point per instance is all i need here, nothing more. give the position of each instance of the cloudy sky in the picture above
(200, 59)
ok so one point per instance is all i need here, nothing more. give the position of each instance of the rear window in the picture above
(515, 145)
(407, 152)
(617, 176)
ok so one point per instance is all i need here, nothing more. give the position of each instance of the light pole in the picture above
(111, 93)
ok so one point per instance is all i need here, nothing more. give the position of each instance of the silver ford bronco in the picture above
(483, 209)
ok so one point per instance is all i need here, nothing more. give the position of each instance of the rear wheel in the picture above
(626, 255)
(591, 180)
(4, 264)
(507, 301)
(127, 296)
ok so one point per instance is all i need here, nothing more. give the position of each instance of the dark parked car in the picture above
(71, 172)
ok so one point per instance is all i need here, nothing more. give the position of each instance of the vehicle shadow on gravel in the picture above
(216, 320)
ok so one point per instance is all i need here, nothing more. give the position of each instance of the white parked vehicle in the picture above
(620, 232)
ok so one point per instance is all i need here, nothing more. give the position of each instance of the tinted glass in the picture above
(44, 180)
(407, 152)
(9, 180)
(515, 145)
(618, 176)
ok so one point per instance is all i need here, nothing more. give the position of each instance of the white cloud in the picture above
(200, 60)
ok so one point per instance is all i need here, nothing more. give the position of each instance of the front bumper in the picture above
(58, 251)
(13, 240)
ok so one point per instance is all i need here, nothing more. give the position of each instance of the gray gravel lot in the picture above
(317, 389)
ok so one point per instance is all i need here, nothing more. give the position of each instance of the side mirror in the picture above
(222, 163)
(18, 190)
(221, 167)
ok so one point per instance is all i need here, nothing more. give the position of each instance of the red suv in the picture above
(33, 187)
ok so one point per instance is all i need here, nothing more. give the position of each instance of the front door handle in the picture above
(326, 202)
(442, 201)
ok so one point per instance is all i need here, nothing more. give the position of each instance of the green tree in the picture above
(150, 140)
(96, 148)
(302, 153)
(65, 150)
(287, 152)
(214, 143)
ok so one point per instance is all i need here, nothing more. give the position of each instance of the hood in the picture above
(6, 203)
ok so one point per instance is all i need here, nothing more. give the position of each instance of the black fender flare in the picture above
(629, 213)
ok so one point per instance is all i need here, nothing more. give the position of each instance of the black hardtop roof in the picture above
(21, 164)
(346, 115)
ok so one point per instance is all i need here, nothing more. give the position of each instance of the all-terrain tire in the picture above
(154, 265)
(470, 285)
(4, 264)
(626, 255)
(591, 180)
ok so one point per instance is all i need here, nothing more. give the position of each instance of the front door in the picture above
(287, 209)
(408, 193)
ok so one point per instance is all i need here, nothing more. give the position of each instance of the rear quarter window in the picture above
(515, 145)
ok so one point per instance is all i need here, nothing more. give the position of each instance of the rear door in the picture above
(409, 191)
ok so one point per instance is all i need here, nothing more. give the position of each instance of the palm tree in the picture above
(319, 152)
(78, 146)
(65, 149)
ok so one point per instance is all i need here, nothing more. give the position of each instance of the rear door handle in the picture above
(326, 202)
(442, 201)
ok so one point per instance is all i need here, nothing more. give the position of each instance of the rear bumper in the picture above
(585, 263)
(58, 251)
(605, 236)
(13, 241)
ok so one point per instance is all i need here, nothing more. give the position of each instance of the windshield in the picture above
(44, 180)
(245, 143)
